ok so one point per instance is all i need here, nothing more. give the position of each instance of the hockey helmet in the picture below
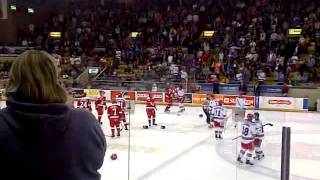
(122, 93)
(84, 94)
(220, 102)
(114, 156)
(250, 117)
(102, 92)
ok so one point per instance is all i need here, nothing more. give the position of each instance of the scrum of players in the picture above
(178, 92)
(115, 112)
(252, 134)
(117, 115)
(252, 131)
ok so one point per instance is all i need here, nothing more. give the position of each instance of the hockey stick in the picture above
(227, 119)
(121, 126)
(236, 138)
(268, 124)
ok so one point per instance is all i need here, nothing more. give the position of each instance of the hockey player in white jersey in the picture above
(259, 137)
(212, 104)
(240, 109)
(247, 138)
(219, 119)
(180, 94)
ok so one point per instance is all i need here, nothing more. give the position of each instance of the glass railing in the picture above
(183, 146)
(231, 88)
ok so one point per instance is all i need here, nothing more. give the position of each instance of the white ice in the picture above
(187, 150)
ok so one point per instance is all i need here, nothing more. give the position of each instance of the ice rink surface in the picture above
(187, 150)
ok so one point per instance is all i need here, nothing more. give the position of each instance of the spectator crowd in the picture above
(250, 41)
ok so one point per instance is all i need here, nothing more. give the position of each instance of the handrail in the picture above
(303, 85)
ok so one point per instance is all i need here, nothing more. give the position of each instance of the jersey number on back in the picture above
(260, 130)
(217, 112)
(114, 109)
(121, 104)
(245, 131)
(83, 104)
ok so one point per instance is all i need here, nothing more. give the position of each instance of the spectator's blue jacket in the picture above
(49, 142)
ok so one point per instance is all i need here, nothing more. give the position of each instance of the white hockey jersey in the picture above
(180, 92)
(248, 131)
(212, 104)
(220, 114)
(259, 129)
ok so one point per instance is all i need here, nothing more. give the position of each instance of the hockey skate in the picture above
(112, 133)
(216, 135)
(259, 157)
(239, 160)
(126, 127)
(181, 110)
(166, 110)
(248, 162)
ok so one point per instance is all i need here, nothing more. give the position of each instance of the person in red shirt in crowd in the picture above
(169, 98)
(114, 113)
(213, 79)
(101, 105)
(151, 110)
(121, 101)
(285, 89)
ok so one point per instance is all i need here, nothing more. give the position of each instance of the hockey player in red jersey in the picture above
(84, 103)
(180, 94)
(247, 138)
(121, 101)
(169, 98)
(151, 110)
(101, 105)
(114, 113)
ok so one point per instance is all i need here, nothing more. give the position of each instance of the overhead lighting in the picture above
(135, 34)
(30, 10)
(13, 7)
(55, 34)
(295, 32)
(208, 34)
